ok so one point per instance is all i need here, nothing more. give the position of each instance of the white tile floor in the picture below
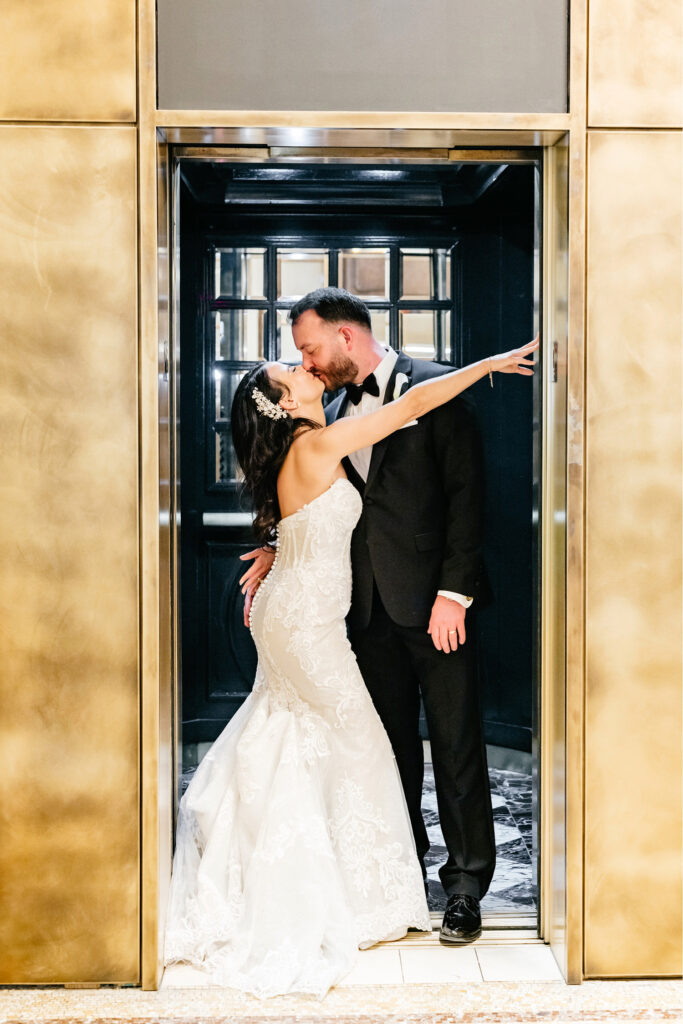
(387, 965)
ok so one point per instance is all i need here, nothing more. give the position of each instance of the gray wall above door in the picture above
(398, 55)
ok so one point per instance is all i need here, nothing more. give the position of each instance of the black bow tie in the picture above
(355, 391)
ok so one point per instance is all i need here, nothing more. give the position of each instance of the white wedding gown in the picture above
(294, 846)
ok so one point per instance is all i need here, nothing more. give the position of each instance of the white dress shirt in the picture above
(361, 459)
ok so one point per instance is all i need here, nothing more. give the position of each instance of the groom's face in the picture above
(325, 349)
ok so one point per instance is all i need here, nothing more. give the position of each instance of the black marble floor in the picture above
(512, 889)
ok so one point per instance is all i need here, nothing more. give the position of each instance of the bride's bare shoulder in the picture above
(309, 465)
(301, 455)
(307, 442)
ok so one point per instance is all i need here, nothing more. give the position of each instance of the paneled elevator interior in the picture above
(445, 254)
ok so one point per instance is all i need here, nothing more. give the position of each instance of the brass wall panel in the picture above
(575, 613)
(635, 69)
(340, 128)
(67, 61)
(158, 553)
(553, 751)
(633, 854)
(156, 570)
(69, 855)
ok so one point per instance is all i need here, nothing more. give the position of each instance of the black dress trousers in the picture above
(398, 663)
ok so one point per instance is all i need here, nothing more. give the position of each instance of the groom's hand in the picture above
(447, 624)
(263, 562)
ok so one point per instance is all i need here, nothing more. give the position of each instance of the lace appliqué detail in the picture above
(355, 825)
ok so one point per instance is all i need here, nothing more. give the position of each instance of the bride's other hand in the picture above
(247, 606)
(516, 360)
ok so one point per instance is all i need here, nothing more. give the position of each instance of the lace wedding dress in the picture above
(294, 846)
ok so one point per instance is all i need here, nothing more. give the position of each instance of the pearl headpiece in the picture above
(266, 407)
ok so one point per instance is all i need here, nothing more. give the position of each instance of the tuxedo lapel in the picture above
(353, 475)
(404, 366)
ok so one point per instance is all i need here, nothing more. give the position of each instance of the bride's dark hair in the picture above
(261, 445)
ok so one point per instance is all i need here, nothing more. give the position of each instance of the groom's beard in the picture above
(340, 371)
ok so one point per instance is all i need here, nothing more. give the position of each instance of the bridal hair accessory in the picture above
(266, 407)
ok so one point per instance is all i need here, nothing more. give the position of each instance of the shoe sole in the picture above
(459, 940)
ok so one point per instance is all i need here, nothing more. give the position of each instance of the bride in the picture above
(294, 847)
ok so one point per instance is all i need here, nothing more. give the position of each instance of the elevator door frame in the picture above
(329, 145)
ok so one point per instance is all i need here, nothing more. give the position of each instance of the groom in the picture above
(418, 578)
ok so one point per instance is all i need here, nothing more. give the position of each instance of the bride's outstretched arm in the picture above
(351, 433)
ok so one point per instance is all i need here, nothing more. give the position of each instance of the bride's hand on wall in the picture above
(516, 360)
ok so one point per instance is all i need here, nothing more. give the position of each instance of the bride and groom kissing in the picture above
(300, 838)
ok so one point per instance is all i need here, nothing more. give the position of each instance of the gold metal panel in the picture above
(303, 122)
(572, 762)
(633, 854)
(69, 855)
(636, 63)
(157, 535)
(553, 842)
(159, 557)
(68, 61)
(358, 141)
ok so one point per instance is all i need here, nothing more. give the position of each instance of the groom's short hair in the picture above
(334, 305)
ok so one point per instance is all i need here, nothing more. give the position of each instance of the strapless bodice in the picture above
(310, 580)
(321, 528)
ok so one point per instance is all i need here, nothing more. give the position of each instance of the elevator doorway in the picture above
(447, 257)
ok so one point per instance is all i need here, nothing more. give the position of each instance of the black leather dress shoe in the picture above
(462, 920)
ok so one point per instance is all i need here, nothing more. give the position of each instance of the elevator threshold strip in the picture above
(498, 929)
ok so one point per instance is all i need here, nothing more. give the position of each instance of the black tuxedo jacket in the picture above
(421, 526)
